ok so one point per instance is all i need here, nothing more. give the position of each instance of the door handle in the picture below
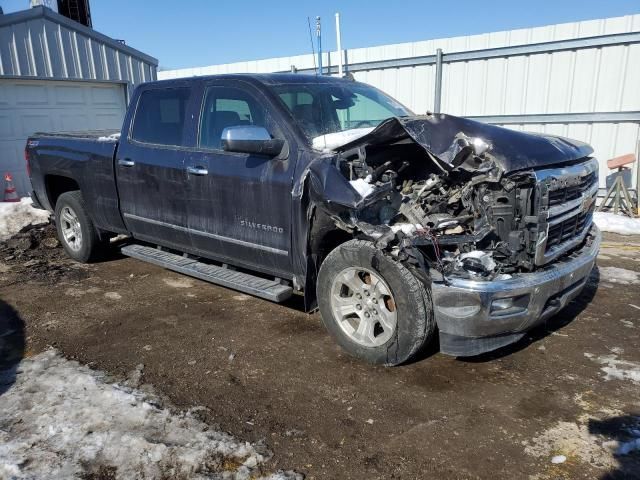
(197, 171)
(126, 162)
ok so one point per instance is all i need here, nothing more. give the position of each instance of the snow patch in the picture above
(575, 440)
(62, 420)
(361, 186)
(14, 216)
(621, 224)
(619, 275)
(331, 141)
(77, 292)
(572, 440)
(178, 282)
(617, 369)
(406, 228)
(114, 137)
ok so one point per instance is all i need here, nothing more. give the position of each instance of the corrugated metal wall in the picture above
(40, 43)
(597, 79)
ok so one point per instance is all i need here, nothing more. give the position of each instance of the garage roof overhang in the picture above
(65, 49)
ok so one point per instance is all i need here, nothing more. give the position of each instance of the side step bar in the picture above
(244, 282)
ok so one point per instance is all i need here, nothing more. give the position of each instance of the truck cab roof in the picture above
(261, 78)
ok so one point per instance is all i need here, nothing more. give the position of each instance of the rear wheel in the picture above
(374, 307)
(76, 231)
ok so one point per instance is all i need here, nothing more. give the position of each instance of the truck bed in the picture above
(85, 157)
(99, 135)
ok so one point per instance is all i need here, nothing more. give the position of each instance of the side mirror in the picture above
(250, 139)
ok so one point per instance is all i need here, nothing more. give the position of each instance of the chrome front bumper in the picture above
(476, 316)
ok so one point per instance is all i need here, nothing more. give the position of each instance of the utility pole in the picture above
(319, 37)
(438, 90)
(339, 45)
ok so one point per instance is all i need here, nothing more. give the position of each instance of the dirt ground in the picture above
(268, 371)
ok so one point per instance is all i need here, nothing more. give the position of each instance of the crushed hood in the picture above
(437, 134)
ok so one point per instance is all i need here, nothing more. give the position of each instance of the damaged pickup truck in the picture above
(399, 228)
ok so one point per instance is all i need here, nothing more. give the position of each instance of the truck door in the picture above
(150, 172)
(239, 205)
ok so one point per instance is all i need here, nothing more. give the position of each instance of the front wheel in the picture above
(374, 307)
(76, 231)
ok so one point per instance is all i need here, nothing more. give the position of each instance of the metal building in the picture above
(59, 75)
(579, 80)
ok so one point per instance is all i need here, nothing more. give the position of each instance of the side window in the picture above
(241, 107)
(293, 100)
(227, 107)
(160, 116)
(305, 109)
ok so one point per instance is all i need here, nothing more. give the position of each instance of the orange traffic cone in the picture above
(10, 194)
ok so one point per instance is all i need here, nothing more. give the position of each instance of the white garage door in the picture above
(28, 106)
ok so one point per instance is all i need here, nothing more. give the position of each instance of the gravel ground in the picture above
(268, 372)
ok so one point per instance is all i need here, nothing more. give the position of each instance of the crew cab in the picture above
(399, 227)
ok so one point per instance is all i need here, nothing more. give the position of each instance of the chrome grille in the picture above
(566, 200)
(562, 195)
(567, 229)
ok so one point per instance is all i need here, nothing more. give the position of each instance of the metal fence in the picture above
(578, 80)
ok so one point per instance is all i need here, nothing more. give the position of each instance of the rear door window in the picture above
(160, 116)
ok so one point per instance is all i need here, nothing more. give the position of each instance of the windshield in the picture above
(326, 108)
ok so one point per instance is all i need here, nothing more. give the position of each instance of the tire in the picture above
(338, 287)
(76, 230)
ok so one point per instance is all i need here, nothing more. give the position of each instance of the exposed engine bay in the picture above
(457, 197)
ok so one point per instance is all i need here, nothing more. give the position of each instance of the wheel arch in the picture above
(56, 185)
(92, 245)
(324, 236)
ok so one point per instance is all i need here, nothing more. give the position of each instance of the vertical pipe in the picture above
(438, 90)
(637, 177)
(319, 35)
(339, 45)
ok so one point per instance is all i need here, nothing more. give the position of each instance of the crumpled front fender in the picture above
(330, 190)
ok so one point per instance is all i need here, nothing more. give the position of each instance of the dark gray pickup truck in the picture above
(398, 227)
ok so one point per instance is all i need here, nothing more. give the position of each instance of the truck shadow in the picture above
(12, 345)
(555, 323)
(113, 253)
(622, 429)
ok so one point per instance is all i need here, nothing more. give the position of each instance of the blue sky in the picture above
(190, 33)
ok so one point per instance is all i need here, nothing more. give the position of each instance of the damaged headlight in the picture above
(477, 263)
